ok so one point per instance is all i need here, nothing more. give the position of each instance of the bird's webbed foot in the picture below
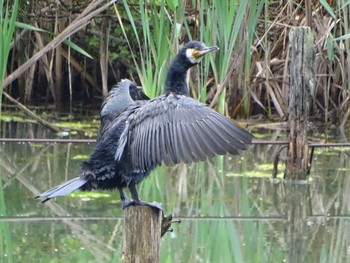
(126, 203)
(166, 224)
(136, 200)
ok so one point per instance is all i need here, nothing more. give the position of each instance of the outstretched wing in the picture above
(174, 128)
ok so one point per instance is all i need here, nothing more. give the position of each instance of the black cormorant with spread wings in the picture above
(169, 129)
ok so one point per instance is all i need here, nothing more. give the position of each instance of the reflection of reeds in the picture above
(226, 215)
(6, 246)
(90, 241)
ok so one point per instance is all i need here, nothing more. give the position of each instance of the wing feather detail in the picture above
(174, 128)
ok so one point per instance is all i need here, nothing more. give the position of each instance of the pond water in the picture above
(231, 210)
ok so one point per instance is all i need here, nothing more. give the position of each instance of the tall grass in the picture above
(153, 42)
(7, 28)
(251, 68)
(163, 26)
(221, 22)
(250, 72)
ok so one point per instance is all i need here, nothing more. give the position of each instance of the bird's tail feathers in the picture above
(63, 189)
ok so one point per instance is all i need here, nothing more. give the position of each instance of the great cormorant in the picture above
(168, 129)
(117, 101)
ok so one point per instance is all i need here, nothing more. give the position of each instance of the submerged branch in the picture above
(31, 113)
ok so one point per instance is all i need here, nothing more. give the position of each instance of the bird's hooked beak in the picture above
(142, 95)
(200, 53)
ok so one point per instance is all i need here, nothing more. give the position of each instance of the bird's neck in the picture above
(176, 78)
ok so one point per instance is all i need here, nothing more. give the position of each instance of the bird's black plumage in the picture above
(99, 170)
(168, 129)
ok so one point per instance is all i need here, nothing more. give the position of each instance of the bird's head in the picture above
(118, 98)
(194, 51)
(136, 93)
(189, 55)
(125, 85)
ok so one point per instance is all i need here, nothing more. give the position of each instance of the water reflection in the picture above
(231, 211)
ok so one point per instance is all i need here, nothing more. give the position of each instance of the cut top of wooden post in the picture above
(142, 232)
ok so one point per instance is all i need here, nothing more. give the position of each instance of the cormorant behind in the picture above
(117, 101)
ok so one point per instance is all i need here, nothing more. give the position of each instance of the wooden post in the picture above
(142, 232)
(302, 81)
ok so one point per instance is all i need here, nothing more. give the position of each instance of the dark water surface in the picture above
(231, 210)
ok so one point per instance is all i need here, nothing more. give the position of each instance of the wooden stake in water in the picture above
(142, 232)
(302, 79)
